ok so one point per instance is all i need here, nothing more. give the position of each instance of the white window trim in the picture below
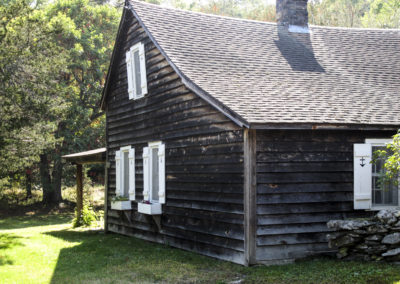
(380, 142)
(147, 179)
(130, 65)
(120, 170)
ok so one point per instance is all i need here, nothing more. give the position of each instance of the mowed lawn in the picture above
(44, 249)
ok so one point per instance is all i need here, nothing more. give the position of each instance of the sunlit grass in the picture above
(44, 249)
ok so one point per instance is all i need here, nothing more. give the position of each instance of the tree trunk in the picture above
(46, 180)
(28, 181)
(52, 183)
(55, 180)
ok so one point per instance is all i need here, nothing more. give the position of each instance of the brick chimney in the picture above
(293, 14)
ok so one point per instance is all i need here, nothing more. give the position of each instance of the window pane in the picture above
(138, 80)
(377, 197)
(154, 173)
(125, 189)
(383, 193)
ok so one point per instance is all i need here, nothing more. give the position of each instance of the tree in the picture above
(340, 13)
(89, 48)
(30, 101)
(383, 14)
(248, 9)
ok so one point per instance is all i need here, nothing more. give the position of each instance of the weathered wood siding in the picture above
(204, 158)
(304, 179)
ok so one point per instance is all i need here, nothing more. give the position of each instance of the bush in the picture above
(391, 156)
(87, 218)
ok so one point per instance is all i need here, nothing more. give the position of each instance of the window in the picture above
(154, 172)
(125, 172)
(369, 191)
(136, 71)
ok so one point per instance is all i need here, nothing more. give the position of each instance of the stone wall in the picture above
(377, 238)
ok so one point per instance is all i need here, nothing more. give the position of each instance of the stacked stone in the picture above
(377, 238)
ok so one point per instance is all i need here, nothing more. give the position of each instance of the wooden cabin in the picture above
(240, 139)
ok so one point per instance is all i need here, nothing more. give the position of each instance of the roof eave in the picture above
(323, 126)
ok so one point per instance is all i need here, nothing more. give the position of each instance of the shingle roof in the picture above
(265, 74)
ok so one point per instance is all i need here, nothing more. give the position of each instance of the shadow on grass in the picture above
(21, 222)
(110, 257)
(8, 241)
(95, 257)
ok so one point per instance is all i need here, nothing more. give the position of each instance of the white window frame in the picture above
(364, 201)
(130, 66)
(147, 172)
(120, 171)
(381, 142)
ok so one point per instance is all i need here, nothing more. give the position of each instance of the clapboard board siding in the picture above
(304, 179)
(204, 158)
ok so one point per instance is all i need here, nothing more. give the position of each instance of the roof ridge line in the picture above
(256, 21)
(202, 13)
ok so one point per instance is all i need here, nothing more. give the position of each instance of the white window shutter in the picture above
(118, 173)
(146, 170)
(131, 174)
(143, 75)
(161, 173)
(362, 176)
(129, 65)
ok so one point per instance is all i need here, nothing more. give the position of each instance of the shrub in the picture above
(391, 156)
(87, 218)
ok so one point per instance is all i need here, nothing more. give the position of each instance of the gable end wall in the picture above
(204, 158)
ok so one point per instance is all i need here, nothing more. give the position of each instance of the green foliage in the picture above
(53, 61)
(391, 155)
(89, 46)
(342, 13)
(355, 13)
(247, 9)
(13, 194)
(383, 14)
(120, 198)
(31, 100)
(96, 173)
(87, 218)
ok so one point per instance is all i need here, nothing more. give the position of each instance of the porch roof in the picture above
(96, 156)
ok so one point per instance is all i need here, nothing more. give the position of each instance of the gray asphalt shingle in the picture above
(268, 75)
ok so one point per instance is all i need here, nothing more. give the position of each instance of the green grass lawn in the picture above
(43, 249)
